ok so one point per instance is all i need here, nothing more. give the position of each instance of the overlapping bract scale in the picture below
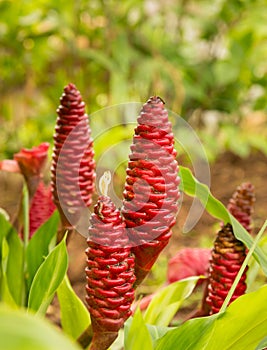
(151, 190)
(110, 273)
(226, 259)
(41, 207)
(73, 165)
(241, 204)
(229, 253)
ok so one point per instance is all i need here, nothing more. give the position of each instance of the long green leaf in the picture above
(38, 247)
(242, 326)
(15, 267)
(167, 301)
(5, 295)
(192, 335)
(48, 278)
(75, 317)
(19, 330)
(191, 186)
(6, 227)
(11, 254)
(157, 332)
(136, 334)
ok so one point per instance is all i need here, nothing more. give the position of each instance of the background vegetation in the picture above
(207, 59)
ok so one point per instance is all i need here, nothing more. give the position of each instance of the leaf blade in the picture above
(15, 267)
(38, 247)
(204, 333)
(32, 332)
(48, 278)
(75, 317)
(167, 301)
(134, 326)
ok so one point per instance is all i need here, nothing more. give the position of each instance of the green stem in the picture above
(25, 208)
(25, 216)
(242, 269)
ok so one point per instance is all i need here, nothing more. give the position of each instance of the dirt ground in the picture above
(226, 174)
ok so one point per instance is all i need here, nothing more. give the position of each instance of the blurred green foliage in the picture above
(207, 59)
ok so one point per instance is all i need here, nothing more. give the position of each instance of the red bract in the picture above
(188, 262)
(151, 189)
(32, 161)
(227, 257)
(110, 274)
(41, 208)
(241, 204)
(72, 171)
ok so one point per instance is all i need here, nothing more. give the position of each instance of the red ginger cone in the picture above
(72, 170)
(226, 259)
(110, 274)
(41, 208)
(151, 189)
(241, 204)
(229, 253)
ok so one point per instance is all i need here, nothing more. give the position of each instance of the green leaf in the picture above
(38, 247)
(157, 332)
(6, 227)
(15, 267)
(19, 330)
(136, 334)
(192, 335)
(191, 186)
(249, 320)
(167, 301)
(75, 317)
(5, 294)
(48, 278)
(242, 326)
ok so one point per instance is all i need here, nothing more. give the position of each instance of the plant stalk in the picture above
(242, 269)
(86, 337)
(26, 224)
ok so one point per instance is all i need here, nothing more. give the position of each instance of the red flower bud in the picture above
(110, 274)
(151, 189)
(31, 163)
(226, 259)
(241, 204)
(72, 171)
(42, 207)
(229, 253)
(188, 262)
